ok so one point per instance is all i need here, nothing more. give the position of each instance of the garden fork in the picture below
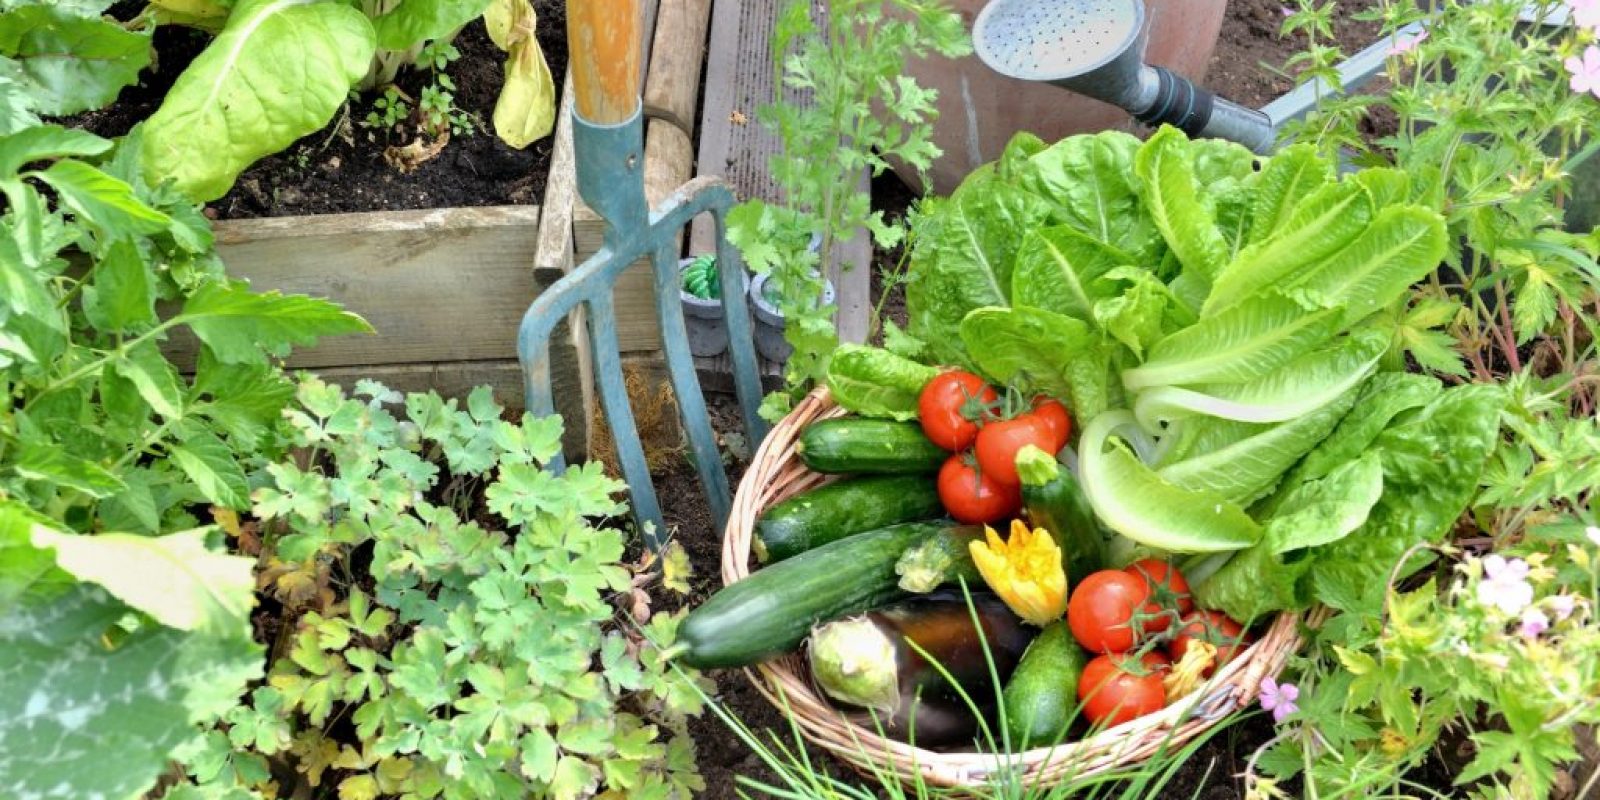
(604, 39)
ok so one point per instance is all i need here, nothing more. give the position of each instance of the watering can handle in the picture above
(603, 37)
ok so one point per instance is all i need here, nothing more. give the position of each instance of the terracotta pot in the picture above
(979, 109)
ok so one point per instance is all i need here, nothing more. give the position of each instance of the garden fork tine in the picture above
(607, 133)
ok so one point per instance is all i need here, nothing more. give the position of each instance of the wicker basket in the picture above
(776, 474)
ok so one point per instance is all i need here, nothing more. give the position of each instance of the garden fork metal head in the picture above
(1096, 48)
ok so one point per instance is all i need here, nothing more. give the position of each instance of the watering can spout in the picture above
(1096, 48)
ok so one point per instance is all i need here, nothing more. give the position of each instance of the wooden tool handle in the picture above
(604, 40)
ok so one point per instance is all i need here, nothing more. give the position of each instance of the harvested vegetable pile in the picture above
(1218, 333)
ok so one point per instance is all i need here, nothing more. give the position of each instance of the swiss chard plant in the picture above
(451, 603)
(863, 111)
(281, 69)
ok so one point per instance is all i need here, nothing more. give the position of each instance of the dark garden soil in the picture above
(343, 167)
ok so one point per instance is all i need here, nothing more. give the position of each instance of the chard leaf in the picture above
(243, 327)
(963, 261)
(1244, 342)
(279, 70)
(1401, 246)
(525, 112)
(1134, 501)
(1293, 390)
(1326, 509)
(74, 63)
(412, 22)
(1059, 268)
(1431, 466)
(1331, 218)
(1245, 470)
(1165, 166)
(1089, 183)
(877, 383)
(1029, 343)
(1291, 175)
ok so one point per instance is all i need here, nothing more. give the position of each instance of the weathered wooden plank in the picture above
(672, 81)
(437, 285)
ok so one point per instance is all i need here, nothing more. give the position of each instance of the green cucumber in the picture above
(1054, 501)
(770, 612)
(832, 512)
(876, 446)
(1042, 695)
(943, 558)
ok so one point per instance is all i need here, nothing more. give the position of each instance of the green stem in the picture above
(95, 366)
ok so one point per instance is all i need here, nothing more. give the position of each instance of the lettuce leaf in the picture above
(1025, 343)
(1323, 224)
(1062, 269)
(963, 260)
(1241, 343)
(877, 383)
(1089, 184)
(1185, 216)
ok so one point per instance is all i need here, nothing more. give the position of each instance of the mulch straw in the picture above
(776, 473)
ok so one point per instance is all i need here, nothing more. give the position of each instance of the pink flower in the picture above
(1286, 11)
(1562, 605)
(1586, 78)
(1279, 698)
(1405, 44)
(1505, 584)
(1534, 622)
(1585, 13)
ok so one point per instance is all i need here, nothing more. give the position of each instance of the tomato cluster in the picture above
(1123, 615)
(960, 413)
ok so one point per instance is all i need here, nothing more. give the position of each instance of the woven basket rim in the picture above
(776, 473)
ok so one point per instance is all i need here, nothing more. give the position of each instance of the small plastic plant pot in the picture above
(769, 320)
(704, 318)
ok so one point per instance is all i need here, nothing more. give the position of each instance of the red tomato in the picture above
(1167, 588)
(948, 406)
(1055, 416)
(1101, 610)
(1114, 691)
(973, 498)
(1214, 627)
(999, 442)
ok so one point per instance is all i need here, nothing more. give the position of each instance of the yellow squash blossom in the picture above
(1025, 571)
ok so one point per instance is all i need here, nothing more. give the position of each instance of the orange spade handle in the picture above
(604, 40)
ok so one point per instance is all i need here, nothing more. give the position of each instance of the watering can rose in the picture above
(1025, 571)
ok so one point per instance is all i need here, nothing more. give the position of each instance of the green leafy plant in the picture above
(124, 622)
(388, 110)
(450, 598)
(1505, 652)
(852, 64)
(336, 46)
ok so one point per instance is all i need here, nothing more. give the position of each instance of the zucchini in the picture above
(1054, 501)
(945, 557)
(876, 446)
(770, 612)
(839, 509)
(869, 662)
(1042, 695)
